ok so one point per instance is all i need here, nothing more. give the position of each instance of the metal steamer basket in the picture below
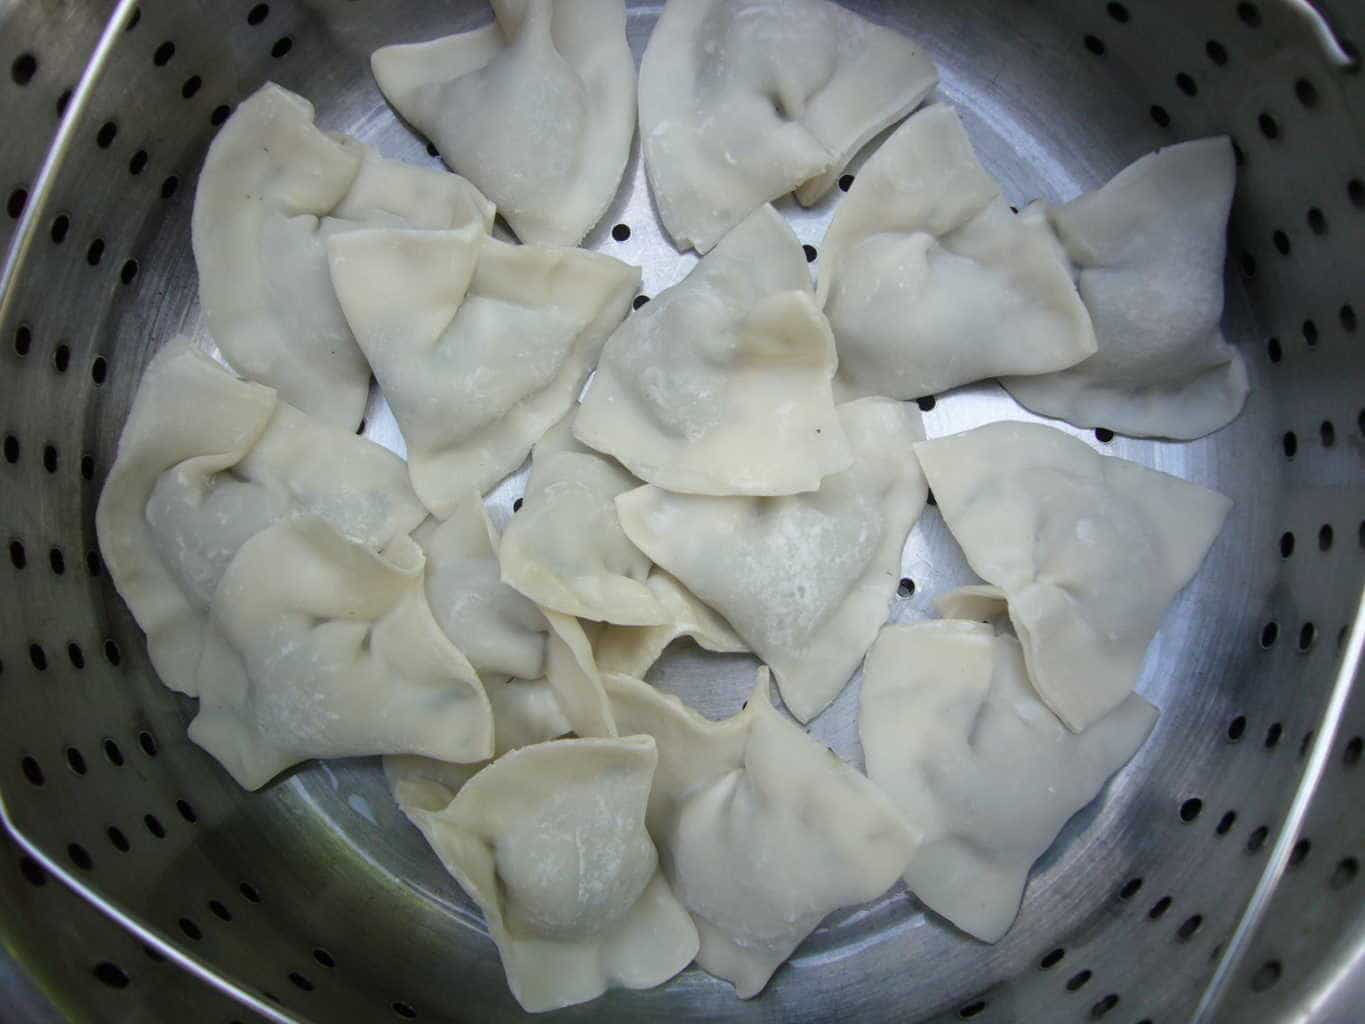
(1217, 874)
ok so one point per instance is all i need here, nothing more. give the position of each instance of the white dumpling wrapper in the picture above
(743, 101)
(631, 650)
(524, 713)
(1088, 550)
(497, 629)
(551, 842)
(272, 190)
(722, 384)
(572, 673)
(1149, 249)
(975, 603)
(537, 109)
(762, 831)
(323, 648)
(805, 580)
(565, 549)
(479, 346)
(956, 737)
(930, 281)
(205, 461)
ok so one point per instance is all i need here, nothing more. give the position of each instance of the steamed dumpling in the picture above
(743, 101)
(565, 549)
(805, 580)
(537, 109)
(479, 346)
(273, 189)
(551, 842)
(572, 673)
(206, 461)
(761, 830)
(1148, 250)
(957, 738)
(631, 650)
(524, 713)
(499, 630)
(1088, 550)
(323, 648)
(930, 281)
(721, 385)
(975, 603)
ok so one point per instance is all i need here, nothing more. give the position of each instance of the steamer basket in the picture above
(1216, 876)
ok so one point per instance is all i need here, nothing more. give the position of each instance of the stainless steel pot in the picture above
(1219, 871)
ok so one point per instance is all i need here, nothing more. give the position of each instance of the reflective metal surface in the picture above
(317, 894)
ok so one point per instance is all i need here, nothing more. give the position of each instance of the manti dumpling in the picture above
(761, 831)
(631, 650)
(565, 549)
(743, 101)
(930, 281)
(323, 648)
(1148, 250)
(572, 673)
(206, 461)
(721, 385)
(504, 634)
(956, 737)
(805, 580)
(525, 712)
(976, 603)
(272, 190)
(1088, 550)
(537, 109)
(498, 630)
(479, 346)
(551, 842)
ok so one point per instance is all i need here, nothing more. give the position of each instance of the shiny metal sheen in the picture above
(317, 896)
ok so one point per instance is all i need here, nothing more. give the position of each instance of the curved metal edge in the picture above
(1326, 35)
(9, 274)
(1259, 901)
(1257, 904)
(56, 154)
(243, 994)
(166, 947)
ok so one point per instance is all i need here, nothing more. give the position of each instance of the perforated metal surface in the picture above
(316, 890)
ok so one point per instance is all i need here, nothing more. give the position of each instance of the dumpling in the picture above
(538, 109)
(425, 784)
(504, 633)
(497, 629)
(761, 830)
(956, 737)
(479, 346)
(976, 603)
(565, 549)
(323, 648)
(1088, 550)
(550, 841)
(273, 189)
(743, 101)
(524, 713)
(206, 461)
(631, 650)
(805, 580)
(1148, 250)
(721, 385)
(930, 281)
(572, 673)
